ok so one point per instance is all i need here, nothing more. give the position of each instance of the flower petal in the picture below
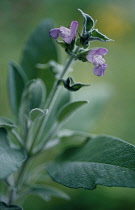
(65, 33)
(99, 70)
(95, 59)
(89, 57)
(98, 60)
(92, 51)
(101, 51)
(54, 33)
(73, 27)
(69, 34)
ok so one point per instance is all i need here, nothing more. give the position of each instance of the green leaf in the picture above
(88, 22)
(96, 35)
(90, 113)
(40, 48)
(16, 82)
(6, 123)
(4, 206)
(33, 97)
(70, 85)
(101, 160)
(46, 192)
(36, 113)
(10, 159)
(69, 138)
(69, 109)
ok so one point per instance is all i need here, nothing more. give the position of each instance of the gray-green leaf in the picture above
(102, 160)
(40, 48)
(34, 113)
(88, 22)
(16, 82)
(33, 97)
(69, 109)
(10, 159)
(97, 36)
(46, 192)
(6, 123)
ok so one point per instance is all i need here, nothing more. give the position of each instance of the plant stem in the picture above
(18, 138)
(49, 104)
(52, 98)
(11, 195)
(21, 173)
(13, 189)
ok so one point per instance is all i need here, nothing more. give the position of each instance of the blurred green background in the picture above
(116, 19)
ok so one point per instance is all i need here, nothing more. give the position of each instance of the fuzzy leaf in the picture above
(6, 123)
(90, 113)
(101, 160)
(16, 82)
(40, 48)
(88, 22)
(10, 159)
(34, 113)
(33, 97)
(46, 192)
(96, 35)
(69, 109)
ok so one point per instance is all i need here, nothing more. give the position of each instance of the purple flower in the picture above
(67, 34)
(95, 56)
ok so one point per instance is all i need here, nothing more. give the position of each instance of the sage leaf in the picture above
(69, 109)
(101, 160)
(33, 97)
(46, 192)
(16, 82)
(36, 113)
(88, 22)
(6, 123)
(97, 36)
(39, 48)
(10, 159)
(90, 113)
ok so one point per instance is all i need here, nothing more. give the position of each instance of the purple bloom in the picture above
(95, 56)
(67, 34)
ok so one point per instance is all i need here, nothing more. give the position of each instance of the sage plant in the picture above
(35, 143)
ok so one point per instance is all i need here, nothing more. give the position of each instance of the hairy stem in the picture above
(51, 100)
(49, 105)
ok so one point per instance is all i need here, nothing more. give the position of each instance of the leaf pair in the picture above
(89, 33)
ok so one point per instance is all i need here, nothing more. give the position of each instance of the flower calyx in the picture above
(70, 85)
